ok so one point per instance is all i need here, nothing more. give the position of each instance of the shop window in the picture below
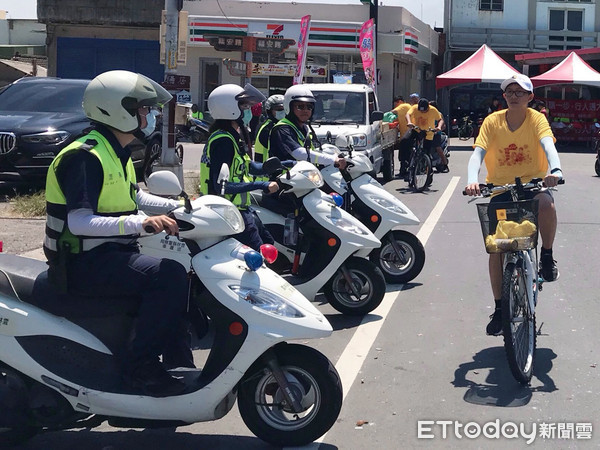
(491, 5)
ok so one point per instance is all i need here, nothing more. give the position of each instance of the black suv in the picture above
(38, 118)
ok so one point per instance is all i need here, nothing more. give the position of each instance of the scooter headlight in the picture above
(267, 301)
(384, 203)
(346, 225)
(231, 215)
(313, 175)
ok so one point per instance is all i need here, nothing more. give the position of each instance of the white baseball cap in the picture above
(521, 80)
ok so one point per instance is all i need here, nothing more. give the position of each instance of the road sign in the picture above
(176, 82)
(184, 97)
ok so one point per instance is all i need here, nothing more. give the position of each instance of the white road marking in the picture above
(355, 353)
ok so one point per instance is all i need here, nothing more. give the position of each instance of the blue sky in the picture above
(429, 11)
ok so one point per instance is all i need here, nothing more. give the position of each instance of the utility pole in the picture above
(168, 158)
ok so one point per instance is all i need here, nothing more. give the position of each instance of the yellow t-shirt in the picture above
(518, 153)
(401, 111)
(424, 119)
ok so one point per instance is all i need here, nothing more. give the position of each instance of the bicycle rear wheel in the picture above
(421, 172)
(518, 323)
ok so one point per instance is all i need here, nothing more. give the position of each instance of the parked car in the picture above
(39, 116)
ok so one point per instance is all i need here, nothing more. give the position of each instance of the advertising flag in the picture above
(367, 52)
(302, 45)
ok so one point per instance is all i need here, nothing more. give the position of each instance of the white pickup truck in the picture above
(353, 109)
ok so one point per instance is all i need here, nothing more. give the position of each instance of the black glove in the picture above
(288, 163)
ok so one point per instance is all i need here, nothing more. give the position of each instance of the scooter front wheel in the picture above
(401, 256)
(14, 421)
(597, 167)
(362, 293)
(313, 381)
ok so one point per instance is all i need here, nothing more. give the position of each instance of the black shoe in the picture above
(494, 328)
(442, 168)
(548, 269)
(151, 378)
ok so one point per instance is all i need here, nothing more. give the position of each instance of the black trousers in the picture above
(255, 234)
(162, 285)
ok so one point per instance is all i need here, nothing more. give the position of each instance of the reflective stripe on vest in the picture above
(117, 197)
(238, 172)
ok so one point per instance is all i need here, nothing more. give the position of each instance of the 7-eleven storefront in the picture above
(218, 50)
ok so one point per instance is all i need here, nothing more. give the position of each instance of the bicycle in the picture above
(420, 169)
(511, 228)
(465, 131)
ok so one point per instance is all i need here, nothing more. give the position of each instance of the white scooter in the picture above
(317, 242)
(401, 256)
(58, 365)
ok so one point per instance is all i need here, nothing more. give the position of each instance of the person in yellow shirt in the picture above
(406, 136)
(424, 116)
(400, 110)
(518, 142)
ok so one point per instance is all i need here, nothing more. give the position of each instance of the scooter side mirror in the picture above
(223, 174)
(164, 182)
(272, 165)
(342, 141)
(223, 177)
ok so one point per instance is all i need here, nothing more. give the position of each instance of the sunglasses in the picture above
(518, 94)
(303, 107)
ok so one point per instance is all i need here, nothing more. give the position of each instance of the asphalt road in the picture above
(423, 354)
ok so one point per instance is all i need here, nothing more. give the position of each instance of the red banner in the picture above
(302, 45)
(573, 120)
(367, 52)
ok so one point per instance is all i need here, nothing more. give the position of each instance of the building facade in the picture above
(407, 48)
(87, 37)
(530, 35)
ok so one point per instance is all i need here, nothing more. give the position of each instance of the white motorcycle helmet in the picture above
(297, 93)
(227, 101)
(113, 98)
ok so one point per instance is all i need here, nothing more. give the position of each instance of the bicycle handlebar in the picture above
(535, 184)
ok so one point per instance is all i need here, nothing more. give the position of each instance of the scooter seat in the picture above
(27, 280)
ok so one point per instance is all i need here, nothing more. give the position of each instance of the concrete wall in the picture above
(101, 12)
(22, 32)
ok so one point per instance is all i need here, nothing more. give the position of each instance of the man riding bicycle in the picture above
(517, 142)
(425, 117)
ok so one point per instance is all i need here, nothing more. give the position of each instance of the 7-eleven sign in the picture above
(411, 42)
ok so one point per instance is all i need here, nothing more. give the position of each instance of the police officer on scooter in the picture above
(290, 136)
(92, 225)
(275, 112)
(229, 143)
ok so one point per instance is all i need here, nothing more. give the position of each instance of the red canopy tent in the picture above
(483, 66)
(571, 70)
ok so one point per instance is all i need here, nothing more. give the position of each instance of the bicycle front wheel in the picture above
(421, 172)
(518, 323)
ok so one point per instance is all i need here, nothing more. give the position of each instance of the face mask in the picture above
(151, 119)
(246, 116)
(279, 115)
